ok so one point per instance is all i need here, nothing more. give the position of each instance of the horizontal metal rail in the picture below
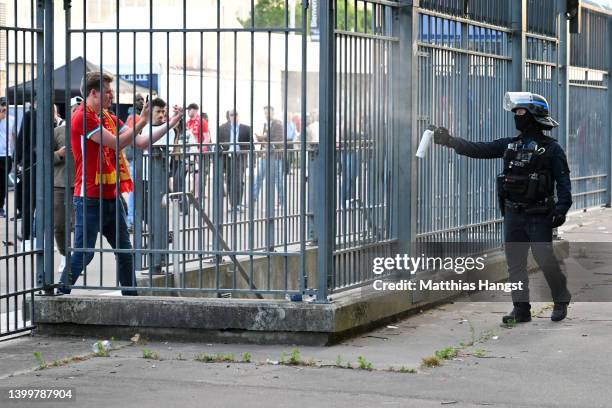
(464, 51)
(464, 20)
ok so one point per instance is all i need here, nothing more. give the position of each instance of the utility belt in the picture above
(540, 208)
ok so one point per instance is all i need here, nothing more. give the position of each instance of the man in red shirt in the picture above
(197, 126)
(197, 132)
(96, 136)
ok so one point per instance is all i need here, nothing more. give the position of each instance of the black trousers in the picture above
(5, 168)
(234, 173)
(28, 192)
(522, 232)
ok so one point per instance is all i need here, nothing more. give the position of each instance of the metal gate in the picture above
(26, 34)
(212, 213)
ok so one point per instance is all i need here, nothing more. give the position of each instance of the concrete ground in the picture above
(537, 364)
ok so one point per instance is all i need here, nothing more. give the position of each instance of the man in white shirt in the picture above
(7, 143)
(159, 116)
(155, 181)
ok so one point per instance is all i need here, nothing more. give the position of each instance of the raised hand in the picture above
(144, 114)
(177, 114)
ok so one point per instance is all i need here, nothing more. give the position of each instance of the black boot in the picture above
(559, 312)
(521, 313)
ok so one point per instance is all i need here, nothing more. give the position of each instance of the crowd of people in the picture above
(99, 166)
(155, 149)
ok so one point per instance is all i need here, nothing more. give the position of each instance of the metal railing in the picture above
(462, 79)
(25, 200)
(305, 207)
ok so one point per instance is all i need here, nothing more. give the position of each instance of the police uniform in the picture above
(535, 166)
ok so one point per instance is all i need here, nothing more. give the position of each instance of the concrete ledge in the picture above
(245, 320)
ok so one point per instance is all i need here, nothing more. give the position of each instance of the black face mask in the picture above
(523, 122)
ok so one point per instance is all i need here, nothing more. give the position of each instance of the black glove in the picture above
(558, 219)
(442, 137)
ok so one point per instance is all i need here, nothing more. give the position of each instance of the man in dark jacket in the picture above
(25, 157)
(63, 175)
(535, 166)
(235, 141)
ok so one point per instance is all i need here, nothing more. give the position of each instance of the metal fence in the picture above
(365, 132)
(588, 136)
(250, 210)
(464, 72)
(465, 66)
(26, 36)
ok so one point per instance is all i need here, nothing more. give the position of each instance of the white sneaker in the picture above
(62, 264)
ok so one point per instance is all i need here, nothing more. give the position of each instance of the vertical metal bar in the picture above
(563, 66)
(463, 129)
(177, 243)
(217, 173)
(608, 83)
(184, 9)
(47, 215)
(303, 280)
(138, 161)
(23, 155)
(44, 83)
(6, 226)
(252, 148)
(68, 208)
(100, 161)
(519, 28)
(284, 159)
(404, 200)
(236, 161)
(118, 197)
(270, 157)
(327, 145)
(83, 149)
(202, 166)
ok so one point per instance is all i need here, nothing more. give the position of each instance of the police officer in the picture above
(534, 166)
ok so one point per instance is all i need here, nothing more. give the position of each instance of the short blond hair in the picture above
(92, 80)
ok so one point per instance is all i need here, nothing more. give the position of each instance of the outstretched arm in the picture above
(127, 134)
(478, 150)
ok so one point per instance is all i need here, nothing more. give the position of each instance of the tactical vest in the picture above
(527, 177)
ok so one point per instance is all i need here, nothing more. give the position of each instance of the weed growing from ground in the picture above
(430, 362)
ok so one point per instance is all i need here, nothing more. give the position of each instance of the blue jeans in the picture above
(350, 162)
(277, 172)
(91, 209)
(130, 201)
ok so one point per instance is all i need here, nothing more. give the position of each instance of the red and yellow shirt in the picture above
(94, 163)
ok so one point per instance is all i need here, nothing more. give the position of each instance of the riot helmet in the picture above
(535, 104)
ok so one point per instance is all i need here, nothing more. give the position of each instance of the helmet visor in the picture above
(514, 100)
